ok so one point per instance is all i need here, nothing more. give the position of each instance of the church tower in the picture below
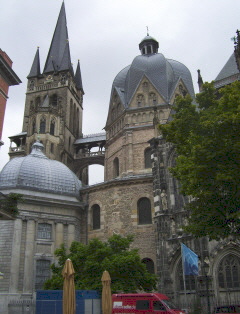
(53, 107)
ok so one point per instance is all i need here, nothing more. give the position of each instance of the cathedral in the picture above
(49, 162)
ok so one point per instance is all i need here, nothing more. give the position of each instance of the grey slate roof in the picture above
(163, 73)
(91, 138)
(37, 172)
(35, 69)
(78, 77)
(59, 55)
(229, 69)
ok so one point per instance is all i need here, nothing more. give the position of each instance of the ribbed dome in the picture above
(37, 172)
(163, 73)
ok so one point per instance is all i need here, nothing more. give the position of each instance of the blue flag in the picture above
(190, 261)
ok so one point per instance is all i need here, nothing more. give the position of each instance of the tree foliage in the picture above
(128, 273)
(9, 203)
(207, 141)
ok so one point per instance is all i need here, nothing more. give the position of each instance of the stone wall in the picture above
(118, 207)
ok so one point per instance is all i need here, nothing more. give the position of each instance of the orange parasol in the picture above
(106, 293)
(69, 298)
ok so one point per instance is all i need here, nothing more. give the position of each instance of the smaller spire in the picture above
(66, 59)
(35, 69)
(78, 78)
(200, 81)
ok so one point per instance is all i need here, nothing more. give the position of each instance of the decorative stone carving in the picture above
(164, 200)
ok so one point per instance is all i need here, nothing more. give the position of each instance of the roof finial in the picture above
(147, 31)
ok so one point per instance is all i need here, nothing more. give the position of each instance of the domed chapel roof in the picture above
(163, 73)
(37, 172)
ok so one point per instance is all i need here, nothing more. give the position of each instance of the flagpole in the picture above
(184, 282)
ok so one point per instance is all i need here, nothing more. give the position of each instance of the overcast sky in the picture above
(104, 35)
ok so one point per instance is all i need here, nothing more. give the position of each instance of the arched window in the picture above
(52, 127)
(42, 273)
(229, 272)
(140, 100)
(44, 231)
(37, 102)
(149, 265)
(71, 116)
(42, 128)
(190, 280)
(54, 100)
(144, 211)
(33, 126)
(147, 158)
(74, 119)
(77, 121)
(115, 167)
(96, 217)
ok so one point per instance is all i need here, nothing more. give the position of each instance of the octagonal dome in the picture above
(164, 74)
(37, 172)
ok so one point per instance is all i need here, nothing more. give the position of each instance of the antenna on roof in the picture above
(147, 31)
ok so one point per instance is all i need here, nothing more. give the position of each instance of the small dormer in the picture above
(148, 45)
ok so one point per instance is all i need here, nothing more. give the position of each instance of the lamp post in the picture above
(205, 268)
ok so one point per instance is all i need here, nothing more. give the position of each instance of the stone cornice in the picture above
(134, 179)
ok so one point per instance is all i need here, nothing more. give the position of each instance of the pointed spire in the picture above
(78, 78)
(66, 60)
(59, 54)
(35, 69)
(200, 81)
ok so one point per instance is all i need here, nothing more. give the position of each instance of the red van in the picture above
(143, 303)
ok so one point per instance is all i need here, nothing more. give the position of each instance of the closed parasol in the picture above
(106, 293)
(69, 297)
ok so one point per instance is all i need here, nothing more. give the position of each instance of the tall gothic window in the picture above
(44, 231)
(52, 127)
(54, 100)
(229, 272)
(42, 273)
(190, 280)
(33, 126)
(144, 211)
(115, 167)
(147, 158)
(37, 102)
(96, 224)
(42, 128)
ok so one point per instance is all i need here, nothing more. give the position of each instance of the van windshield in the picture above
(170, 305)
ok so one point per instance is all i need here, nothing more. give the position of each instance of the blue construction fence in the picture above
(50, 302)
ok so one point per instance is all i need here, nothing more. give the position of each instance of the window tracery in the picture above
(229, 272)
(42, 128)
(52, 127)
(190, 281)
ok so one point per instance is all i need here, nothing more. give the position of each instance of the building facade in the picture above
(7, 78)
(138, 196)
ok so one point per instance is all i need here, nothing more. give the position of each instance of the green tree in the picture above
(8, 203)
(207, 142)
(128, 273)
